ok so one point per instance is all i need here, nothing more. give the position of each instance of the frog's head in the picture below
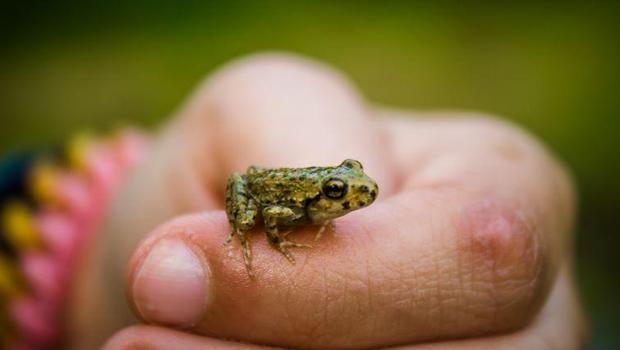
(343, 189)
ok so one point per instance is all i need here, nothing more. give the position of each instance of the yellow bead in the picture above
(19, 227)
(43, 183)
(77, 151)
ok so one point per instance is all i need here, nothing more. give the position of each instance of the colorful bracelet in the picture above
(50, 206)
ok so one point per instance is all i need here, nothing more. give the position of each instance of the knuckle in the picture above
(508, 259)
(511, 142)
(261, 68)
(254, 77)
(545, 180)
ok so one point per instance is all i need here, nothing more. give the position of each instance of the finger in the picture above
(470, 150)
(560, 325)
(451, 256)
(159, 338)
(278, 111)
(269, 110)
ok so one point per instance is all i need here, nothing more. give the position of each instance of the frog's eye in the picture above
(334, 188)
(353, 164)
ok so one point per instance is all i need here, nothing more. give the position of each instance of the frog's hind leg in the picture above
(254, 169)
(272, 216)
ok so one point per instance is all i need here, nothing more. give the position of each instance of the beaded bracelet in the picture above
(50, 206)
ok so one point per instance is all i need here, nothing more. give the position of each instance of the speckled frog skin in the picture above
(287, 197)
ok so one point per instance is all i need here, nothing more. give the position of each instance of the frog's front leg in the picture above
(273, 216)
(241, 210)
(319, 233)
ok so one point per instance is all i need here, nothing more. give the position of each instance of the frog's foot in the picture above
(319, 233)
(283, 246)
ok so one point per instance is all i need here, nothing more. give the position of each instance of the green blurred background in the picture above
(553, 68)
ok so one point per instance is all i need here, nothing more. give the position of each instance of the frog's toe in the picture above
(246, 250)
(283, 246)
(319, 233)
(247, 256)
(287, 244)
(228, 239)
(287, 254)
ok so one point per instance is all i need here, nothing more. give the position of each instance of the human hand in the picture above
(469, 239)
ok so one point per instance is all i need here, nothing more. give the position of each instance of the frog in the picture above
(285, 198)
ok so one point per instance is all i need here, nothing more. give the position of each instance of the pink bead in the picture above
(33, 320)
(103, 170)
(59, 233)
(131, 148)
(84, 198)
(44, 276)
(75, 193)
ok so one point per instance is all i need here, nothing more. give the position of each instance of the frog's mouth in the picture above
(324, 209)
(362, 194)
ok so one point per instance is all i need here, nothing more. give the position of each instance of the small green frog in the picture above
(287, 197)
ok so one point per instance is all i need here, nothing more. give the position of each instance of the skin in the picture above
(468, 247)
(288, 197)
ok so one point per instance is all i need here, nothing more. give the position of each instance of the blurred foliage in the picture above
(553, 68)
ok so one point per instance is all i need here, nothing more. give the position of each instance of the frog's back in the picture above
(291, 187)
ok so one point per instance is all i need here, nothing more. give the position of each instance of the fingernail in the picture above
(171, 285)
